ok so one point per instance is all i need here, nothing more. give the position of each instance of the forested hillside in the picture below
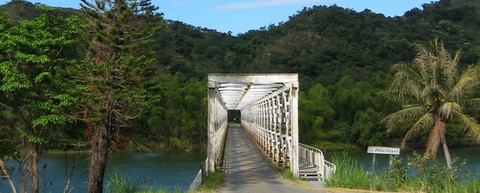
(343, 58)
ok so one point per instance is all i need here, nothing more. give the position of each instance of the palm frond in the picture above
(432, 79)
(410, 113)
(470, 125)
(448, 67)
(472, 103)
(469, 80)
(424, 123)
(407, 83)
(447, 108)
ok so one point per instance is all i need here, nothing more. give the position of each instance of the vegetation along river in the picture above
(471, 154)
(163, 170)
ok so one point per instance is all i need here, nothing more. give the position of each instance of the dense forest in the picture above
(343, 58)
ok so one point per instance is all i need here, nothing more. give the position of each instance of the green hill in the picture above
(343, 58)
(20, 9)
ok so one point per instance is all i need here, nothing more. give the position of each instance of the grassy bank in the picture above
(118, 184)
(424, 175)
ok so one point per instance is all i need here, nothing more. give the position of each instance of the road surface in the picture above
(247, 171)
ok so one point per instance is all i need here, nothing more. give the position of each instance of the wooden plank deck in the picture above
(247, 170)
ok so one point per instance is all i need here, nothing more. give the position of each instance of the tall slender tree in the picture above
(34, 56)
(119, 58)
(433, 93)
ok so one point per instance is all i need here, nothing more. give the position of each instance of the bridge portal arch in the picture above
(268, 104)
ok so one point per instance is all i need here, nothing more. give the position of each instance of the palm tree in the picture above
(433, 93)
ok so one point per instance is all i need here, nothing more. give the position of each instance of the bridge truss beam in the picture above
(269, 114)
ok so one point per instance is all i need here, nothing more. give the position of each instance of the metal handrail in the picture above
(315, 157)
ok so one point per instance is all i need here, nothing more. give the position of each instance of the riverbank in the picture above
(156, 170)
(127, 144)
(415, 174)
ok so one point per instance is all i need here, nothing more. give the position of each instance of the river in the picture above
(176, 170)
(162, 170)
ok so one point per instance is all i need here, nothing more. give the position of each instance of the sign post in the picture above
(385, 151)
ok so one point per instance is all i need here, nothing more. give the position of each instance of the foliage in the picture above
(159, 191)
(434, 93)
(176, 110)
(288, 174)
(34, 59)
(435, 174)
(347, 52)
(118, 184)
(349, 174)
(425, 175)
(430, 175)
(213, 182)
(119, 60)
(19, 10)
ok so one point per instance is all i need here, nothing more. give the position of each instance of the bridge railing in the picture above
(272, 123)
(315, 157)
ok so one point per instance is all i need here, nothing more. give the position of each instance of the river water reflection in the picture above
(166, 170)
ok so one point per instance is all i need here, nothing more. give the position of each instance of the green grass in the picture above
(288, 174)
(159, 191)
(214, 181)
(349, 174)
(428, 176)
(118, 184)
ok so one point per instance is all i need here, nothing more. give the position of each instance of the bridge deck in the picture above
(247, 170)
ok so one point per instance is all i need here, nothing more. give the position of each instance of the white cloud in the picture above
(263, 3)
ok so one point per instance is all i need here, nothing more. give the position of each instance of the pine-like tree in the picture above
(119, 58)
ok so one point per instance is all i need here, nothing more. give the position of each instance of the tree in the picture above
(119, 58)
(433, 93)
(34, 57)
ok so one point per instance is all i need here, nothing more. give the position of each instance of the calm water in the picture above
(165, 170)
(471, 154)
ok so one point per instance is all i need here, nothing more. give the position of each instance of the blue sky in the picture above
(239, 16)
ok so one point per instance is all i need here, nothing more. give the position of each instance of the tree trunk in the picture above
(98, 158)
(7, 176)
(448, 158)
(35, 176)
(29, 177)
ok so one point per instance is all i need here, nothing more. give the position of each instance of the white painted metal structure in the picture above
(314, 166)
(269, 115)
(268, 105)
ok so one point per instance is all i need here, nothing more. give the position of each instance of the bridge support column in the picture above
(217, 126)
(294, 116)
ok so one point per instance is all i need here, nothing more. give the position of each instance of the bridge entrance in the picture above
(267, 105)
(268, 109)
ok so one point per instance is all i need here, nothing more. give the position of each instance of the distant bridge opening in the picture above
(234, 116)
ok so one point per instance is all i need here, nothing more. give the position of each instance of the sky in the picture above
(240, 16)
